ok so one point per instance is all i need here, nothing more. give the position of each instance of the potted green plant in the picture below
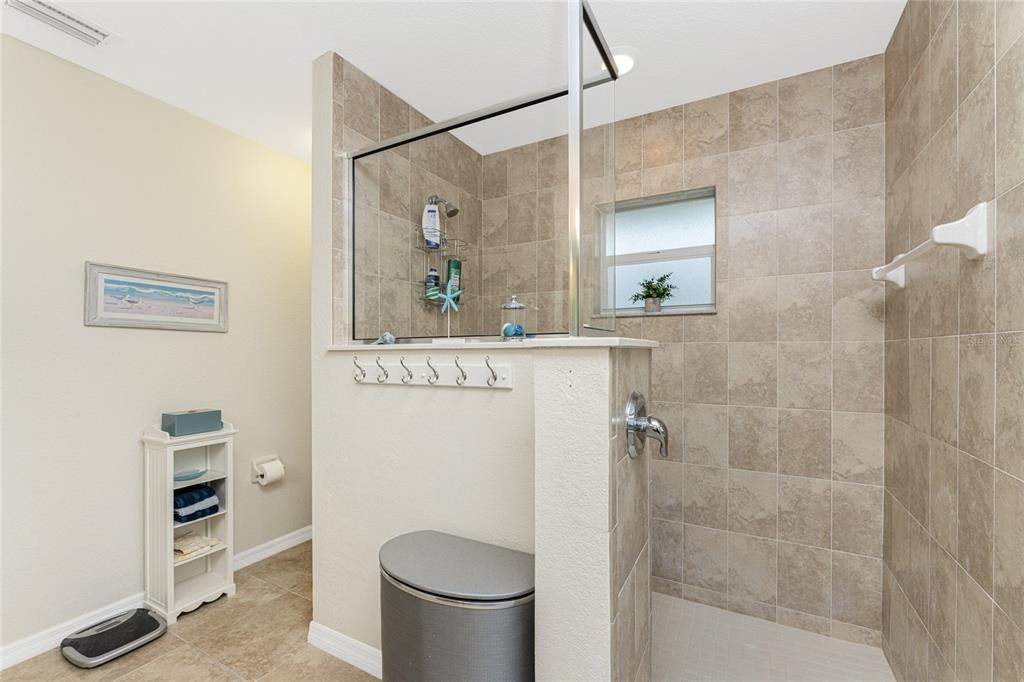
(653, 291)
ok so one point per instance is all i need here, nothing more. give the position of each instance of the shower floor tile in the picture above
(697, 642)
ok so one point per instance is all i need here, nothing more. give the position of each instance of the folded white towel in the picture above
(210, 501)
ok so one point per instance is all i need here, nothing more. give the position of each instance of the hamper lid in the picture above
(449, 566)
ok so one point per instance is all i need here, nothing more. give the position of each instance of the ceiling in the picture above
(247, 65)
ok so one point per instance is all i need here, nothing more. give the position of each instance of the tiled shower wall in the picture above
(391, 189)
(954, 371)
(770, 503)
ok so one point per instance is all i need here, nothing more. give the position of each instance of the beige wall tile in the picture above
(522, 169)
(975, 20)
(944, 72)
(973, 630)
(522, 218)
(857, 377)
(361, 102)
(858, 309)
(753, 245)
(394, 118)
(805, 510)
(706, 373)
(976, 148)
(753, 441)
(858, 160)
(667, 550)
(707, 127)
(672, 415)
(919, 403)
(857, 447)
(1009, 446)
(753, 374)
(662, 179)
(941, 612)
(805, 578)
(857, 518)
(858, 99)
(805, 307)
(1008, 546)
(667, 373)
(942, 468)
(753, 309)
(1010, 249)
(897, 379)
(754, 609)
(944, 388)
(943, 174)
(1010, 122)
(805, 104)
(975, 515)
(394, 185)
(819, 625)
(805, 375)
(705, 558)
(807, 171)
(753, 116)
(753, 503)
(859, 228)
(706, 439)
(976, 395)
(713, 326)
(666, 490)
(705, 496)
(857, 590)
(805, 239)
(752, 569)
(805, 446)
(664, 136)
(753, 180)
(628, 148)
(494, 175)
(1008, 648)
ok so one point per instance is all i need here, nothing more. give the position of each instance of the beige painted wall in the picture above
(95, 170)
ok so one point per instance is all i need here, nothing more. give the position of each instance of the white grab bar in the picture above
(970, 234)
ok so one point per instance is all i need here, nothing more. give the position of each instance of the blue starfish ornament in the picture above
(449, 297)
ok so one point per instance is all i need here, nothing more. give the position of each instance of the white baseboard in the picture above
(50, 638)
(269, 549)
(41, 642)
(362, 656)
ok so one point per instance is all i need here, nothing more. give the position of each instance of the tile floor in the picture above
(259, 634)
(696, 642)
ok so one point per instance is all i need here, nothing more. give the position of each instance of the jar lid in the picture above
(513, 304)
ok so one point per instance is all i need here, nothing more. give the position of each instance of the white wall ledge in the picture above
(526, 344)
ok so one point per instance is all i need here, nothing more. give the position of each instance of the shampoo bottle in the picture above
(431, 226)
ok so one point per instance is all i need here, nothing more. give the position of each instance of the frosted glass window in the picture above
(649, 237)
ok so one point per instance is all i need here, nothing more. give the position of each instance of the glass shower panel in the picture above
(597, 205)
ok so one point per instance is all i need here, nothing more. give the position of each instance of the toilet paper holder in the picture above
(257, 469)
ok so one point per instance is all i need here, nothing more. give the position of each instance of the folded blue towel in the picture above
(189, 496)
(197, 515)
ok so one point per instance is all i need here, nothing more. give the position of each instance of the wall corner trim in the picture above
(352, 651)
(41, 642)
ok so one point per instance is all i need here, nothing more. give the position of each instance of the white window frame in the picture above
(608, 211)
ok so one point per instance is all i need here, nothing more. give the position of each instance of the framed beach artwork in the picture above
(127, 297)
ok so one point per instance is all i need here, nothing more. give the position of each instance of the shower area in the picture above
(841, 493)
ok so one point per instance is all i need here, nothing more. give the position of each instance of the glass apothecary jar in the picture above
(513, 320)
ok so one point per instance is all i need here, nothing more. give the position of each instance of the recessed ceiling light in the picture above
(625, 59)
(61, 19)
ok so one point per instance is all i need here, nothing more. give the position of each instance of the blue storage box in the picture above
(187, 422)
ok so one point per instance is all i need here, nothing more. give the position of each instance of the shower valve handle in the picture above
(639, 426)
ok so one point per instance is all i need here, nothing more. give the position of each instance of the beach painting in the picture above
(126, 297)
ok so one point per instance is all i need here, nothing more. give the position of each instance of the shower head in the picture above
(450, 209)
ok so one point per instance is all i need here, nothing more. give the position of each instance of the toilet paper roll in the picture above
(269, 472)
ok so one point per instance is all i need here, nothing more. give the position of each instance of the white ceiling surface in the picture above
(247, 65)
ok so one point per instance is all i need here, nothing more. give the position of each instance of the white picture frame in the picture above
(145, 299)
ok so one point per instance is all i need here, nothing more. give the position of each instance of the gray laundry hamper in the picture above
(454, 609)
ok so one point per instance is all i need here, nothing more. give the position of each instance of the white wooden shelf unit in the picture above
(175, 588)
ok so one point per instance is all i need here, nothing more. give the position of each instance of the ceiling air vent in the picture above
(61, 19)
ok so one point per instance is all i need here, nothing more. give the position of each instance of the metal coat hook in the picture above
(493, 379)
(407, 377)
(461, 379)
(435, 376)
(383, 376)
(360, 373)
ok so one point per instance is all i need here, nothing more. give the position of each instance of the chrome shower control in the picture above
(639, 426)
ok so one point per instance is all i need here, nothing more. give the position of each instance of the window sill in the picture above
(670, 312)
